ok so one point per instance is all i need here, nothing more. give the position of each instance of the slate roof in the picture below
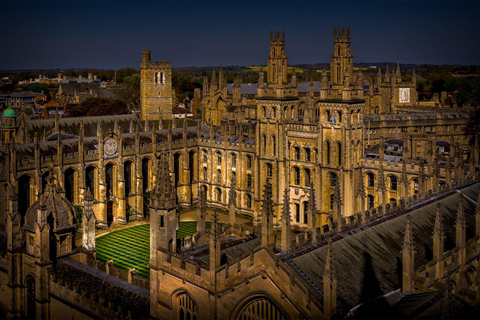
(72, 125)
(232, 248)
(251, 88)
(369, 263)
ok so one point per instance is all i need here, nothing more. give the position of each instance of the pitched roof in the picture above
(369, 262)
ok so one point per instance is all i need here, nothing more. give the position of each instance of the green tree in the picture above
(39, 87)
(130, 92)
(97, 107)
(125, 72)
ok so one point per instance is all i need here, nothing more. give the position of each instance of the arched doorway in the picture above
(109, 212)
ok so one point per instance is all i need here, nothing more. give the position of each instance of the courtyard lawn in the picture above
(130, 247)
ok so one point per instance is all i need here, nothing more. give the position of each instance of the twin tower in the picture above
(156, 94)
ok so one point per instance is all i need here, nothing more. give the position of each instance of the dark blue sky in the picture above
(197, 33)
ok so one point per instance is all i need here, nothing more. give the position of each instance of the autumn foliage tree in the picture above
(97, 107)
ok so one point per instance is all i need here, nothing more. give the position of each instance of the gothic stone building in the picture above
(307, 162)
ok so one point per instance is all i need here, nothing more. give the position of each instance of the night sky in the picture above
(112, 34)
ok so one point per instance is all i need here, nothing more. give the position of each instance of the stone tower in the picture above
(163, 228)
(155, 88)
(341, 61)
(277, 60)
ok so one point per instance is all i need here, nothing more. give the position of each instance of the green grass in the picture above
(130, 247)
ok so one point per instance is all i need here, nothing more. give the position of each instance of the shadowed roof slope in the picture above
(369, 263)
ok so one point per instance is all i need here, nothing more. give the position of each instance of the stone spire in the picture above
(285, 220)
(460, 225)
(88, 223)
(147, 125)
(163, 193)
(267, 215)
(232, 203)
(215, 247)
(205, 86)
(213, 82)
(312, 213)
(221, 77)
(397, 72)
(438, 236)
(201, 215)
(330, 284)
(408, 258)
(337, 205)
(387, 75)
(361, 195)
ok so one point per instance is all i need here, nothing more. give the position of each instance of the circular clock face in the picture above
(110, 147)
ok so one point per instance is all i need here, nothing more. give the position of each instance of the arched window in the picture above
(307, 177)
(25, 196)
(274, 145)
(234, 176)
(205, 155)
(297, 175)
(234, 160)
(264, 137)
(249, 180)
(218, 194)
(297, 153)
(415, 185)
(371, 180)
(327, 153)
(269, 169)
(260, 308)
(393, 183)
(146, 164)
(248, 200)
(90, 179)
(187, 309)
(219, 158)
(70, 175)
(333, 179)
(127, 175)
(249, 162)
(339, 152)
(371, 201)
(305, 212)
(109, 180)
(297, 212)
(331, 201)
(307, 154)
(219, 176)
(205, 173)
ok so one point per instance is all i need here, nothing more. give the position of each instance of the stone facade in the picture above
(156, 95)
